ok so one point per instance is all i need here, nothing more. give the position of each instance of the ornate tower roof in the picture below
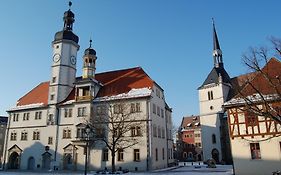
(67, 33)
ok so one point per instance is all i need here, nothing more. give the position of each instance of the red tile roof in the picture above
(271, 70)
(39, 94)
(114, 82)
(190, 121)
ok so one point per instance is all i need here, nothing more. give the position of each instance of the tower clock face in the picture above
(56, 57)
(73, 60)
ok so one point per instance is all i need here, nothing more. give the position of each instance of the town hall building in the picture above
(46, 128)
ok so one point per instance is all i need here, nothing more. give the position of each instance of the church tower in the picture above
(212, 94)
(65, 47)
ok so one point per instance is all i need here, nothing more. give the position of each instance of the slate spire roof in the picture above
(218, 73)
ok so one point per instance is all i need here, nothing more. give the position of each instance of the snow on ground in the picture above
(181, 170)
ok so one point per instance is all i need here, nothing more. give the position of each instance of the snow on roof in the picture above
(251, 98)
(29, 106)
(133, 93)
(196, 124)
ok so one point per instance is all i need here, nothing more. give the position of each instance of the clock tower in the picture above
(63, 74)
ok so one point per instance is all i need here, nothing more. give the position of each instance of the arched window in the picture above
(214, 139)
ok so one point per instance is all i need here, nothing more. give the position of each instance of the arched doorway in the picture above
(46, 161)
(31, 163)
(199, 157)
(215, 155)
(67, 162)
(14, 161)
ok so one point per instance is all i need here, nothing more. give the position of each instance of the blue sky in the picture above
(170, 39)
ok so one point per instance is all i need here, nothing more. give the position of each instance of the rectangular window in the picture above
(24, 135)
(156, 154)
(117, 108)
(13, 136)
(38, 115)
(120, 156)
(154, 109)
(52, 97)
(138, 107)
(50, 119)
(154, 131)
(163, 133)
(135, 131)
(251, 119)
(159, 132)
(81, 111)
(210, 95)
(67, 113)
(36, 135)
(255, 151)
(133, 107)
(26, 116)
(163, 153)
(158, 110)
(54, 79)
(16, 117)
(136, 155)
(100, 132)
(66, 134)
(50, 140)
(105, 155)
(162, 113)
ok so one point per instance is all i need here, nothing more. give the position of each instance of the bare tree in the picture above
(255, 59)
(119, 125)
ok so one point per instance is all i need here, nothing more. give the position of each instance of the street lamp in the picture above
(87, 132)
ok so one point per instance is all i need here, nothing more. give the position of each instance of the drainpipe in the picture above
(57, 132)
(149, 135)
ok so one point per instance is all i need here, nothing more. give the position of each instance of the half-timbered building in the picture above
(255, 133)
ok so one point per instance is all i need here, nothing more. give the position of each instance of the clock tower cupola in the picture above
(89, 62)
(65, 47)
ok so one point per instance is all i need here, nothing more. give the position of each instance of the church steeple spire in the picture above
(217, 53)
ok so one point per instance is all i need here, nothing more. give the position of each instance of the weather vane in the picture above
(69, 4)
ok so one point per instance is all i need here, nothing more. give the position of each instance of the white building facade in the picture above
(212, 95)
(45, 128)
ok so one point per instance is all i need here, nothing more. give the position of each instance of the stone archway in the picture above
(14, 157)
(70, 157)
(46, 161)
(14, 161)
(31, 163)
(215, 155)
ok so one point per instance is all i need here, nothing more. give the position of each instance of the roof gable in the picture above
(264, 82)
(114, 83)
(214, 75)
(39, 94)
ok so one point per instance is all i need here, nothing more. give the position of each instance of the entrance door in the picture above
(215, 155)
(14, 161)
(46, 161)
(31, 163)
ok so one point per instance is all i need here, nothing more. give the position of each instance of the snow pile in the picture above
(34, 105)
(133, 93)
(69, 102)
(251, 99)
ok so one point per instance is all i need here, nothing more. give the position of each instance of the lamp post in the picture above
(87, 132)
